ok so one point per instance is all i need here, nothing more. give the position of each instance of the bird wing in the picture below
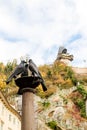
(18, 70)
(33, 68)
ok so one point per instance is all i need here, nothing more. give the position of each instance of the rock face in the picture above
(61, 110)
(42, 126)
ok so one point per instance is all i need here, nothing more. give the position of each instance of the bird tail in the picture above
(44, 86)
(10, 79)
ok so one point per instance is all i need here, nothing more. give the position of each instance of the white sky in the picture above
(39, 27)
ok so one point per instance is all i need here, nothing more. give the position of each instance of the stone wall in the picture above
(80, 71)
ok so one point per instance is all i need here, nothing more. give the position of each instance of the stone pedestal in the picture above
(27, 87)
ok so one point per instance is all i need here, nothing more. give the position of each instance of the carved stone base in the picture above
(27, 84)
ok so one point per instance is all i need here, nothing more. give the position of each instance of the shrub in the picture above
(52, 125)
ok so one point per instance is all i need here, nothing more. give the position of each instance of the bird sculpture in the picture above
(35, 72)
(25, 71)
(20, 69)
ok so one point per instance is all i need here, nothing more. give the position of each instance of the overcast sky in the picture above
(38, 28)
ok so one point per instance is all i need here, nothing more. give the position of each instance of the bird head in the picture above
(30, 60)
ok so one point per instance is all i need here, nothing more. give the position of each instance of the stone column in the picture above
(28, 119)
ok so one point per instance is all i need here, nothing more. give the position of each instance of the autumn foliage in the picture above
(57, 74)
